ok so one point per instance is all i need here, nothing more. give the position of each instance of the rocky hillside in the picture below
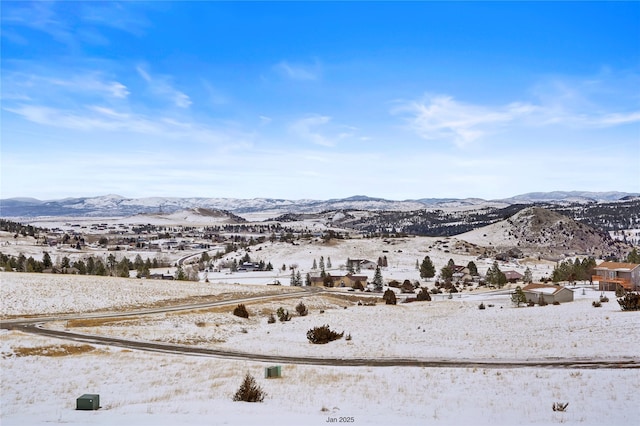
(536, 231)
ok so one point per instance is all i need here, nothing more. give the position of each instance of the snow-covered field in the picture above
(41, 378)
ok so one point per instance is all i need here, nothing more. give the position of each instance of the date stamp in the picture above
(341, 419)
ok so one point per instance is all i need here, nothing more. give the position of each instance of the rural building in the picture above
(348, 280)
(611, 274)
(461, 273)
(361, 264)
(550, 293)
(249, 267)
(513, 276)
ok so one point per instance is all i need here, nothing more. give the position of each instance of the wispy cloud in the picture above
(442, 117)
(161, 87)
(73, 25)
(308, 129)
(298, 71)
(59, 86)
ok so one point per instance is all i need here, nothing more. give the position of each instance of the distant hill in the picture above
(115, 205)
(541, 232)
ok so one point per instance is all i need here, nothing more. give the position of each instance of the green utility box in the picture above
(273, 372)
(88, 401)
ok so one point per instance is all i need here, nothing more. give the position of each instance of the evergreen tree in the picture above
(495, 276)
(91, 266)
(518, 297)
(322, 263)
(100, 269)
(298, 279)
(46, 261)
(111, 262)
(473, 269)
(427, 270)
(81, 267)
(180, 275)
(633, 257)
(446, 273)
(314, 266)
(528, 276)
(389, 297)
(123, 268)
(328, 262)
(377, 280)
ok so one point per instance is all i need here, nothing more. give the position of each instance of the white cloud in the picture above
(160, 86)
(441, 117)
(307, 128)
(264, 120)
(103, 119)
(297, 72)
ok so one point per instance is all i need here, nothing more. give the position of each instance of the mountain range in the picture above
(116, 205)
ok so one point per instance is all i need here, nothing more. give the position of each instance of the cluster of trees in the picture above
(20, 229)
(91, 265)
(428, 270)
(574, 271)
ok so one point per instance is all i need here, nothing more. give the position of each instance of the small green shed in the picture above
(273, 372)
(88, 401)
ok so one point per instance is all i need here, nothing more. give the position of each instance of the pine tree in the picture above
(528, 276)
(495, 276)
(633, 257)
(315, 266)
(473, 269)
(322, 263)
(46, 260)
(427, 270)
(518, 297)
(328, 262)
(377, 280)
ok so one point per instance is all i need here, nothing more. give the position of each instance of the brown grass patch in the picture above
(52, 350)
(97, 322)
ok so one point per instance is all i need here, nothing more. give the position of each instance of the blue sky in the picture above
(319, 100)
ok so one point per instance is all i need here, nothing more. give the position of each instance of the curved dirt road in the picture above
(35, 326)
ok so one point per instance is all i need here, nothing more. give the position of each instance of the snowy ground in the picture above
(41, 378)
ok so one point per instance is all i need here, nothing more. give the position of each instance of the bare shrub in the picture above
(559, 406)
(249, 391)
(596, 304)
(283, 314)
(271, 319)
(241, 311)
(322, 335)
(423, 295)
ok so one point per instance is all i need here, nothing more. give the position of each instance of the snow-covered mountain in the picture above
(116, 205)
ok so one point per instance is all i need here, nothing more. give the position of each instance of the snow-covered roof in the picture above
(543, 288)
